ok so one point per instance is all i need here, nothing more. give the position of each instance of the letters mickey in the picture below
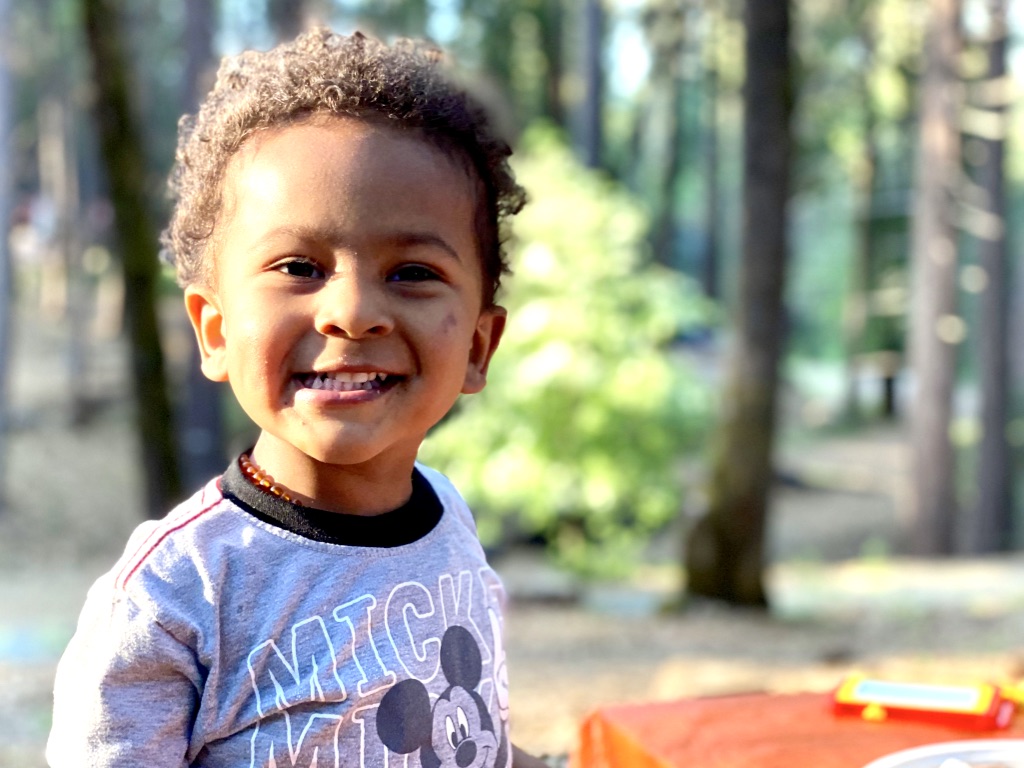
(457, 732)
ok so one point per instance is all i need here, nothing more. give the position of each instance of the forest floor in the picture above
(843, 597)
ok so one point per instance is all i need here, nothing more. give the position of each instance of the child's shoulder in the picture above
(161, 568)
(210, 526)
(158, 543)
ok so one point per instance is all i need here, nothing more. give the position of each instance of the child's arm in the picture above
(521, 759)
(125, 694)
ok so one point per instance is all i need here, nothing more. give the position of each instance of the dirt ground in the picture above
(843, 598)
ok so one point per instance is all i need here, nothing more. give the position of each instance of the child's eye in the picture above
(415, 273)
(300, 268)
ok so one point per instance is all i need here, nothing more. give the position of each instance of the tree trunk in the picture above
(710, 267)
(550, 17)
(200, 23)
(121, 148)
(6, 271)
(630, 169)
(496, 42)
(58, 181)
(666, 32)
(286, 18)
(724, 556)
(592, 117)
(415, 17)
(990, 529)
(935, 327)
(857, 310)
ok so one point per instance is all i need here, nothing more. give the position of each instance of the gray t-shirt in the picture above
(241, 631)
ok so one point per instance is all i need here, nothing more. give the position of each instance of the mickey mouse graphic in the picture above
(457, 732)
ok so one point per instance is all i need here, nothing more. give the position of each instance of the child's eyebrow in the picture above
(425, 238)
(400, 238)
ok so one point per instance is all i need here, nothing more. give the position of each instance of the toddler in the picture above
(325, 602)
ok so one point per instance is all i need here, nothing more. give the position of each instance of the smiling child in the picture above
(337, 232)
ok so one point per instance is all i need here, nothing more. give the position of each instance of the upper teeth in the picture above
(341, 379)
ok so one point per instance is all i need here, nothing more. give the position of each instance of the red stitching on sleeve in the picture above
(155, 539)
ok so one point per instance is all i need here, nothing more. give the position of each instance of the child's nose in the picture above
(353, 308)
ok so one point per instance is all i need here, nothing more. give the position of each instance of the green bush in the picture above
(587, 410)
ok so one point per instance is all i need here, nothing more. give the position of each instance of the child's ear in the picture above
(489, 327)
(208, 323)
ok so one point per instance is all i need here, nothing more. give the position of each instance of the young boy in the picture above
(325, 602)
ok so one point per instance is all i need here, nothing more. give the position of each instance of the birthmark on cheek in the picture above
(449, 323)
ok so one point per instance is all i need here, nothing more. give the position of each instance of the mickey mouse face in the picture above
(457, 731)
(459, 737)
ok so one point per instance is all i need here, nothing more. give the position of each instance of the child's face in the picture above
(345, 250)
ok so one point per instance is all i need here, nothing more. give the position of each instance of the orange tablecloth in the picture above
(751, 731)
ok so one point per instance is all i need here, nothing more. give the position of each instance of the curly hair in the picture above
(320, 72)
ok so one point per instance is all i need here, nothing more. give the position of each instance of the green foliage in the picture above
(588, 410)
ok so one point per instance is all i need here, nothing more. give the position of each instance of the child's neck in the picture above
(366, 489)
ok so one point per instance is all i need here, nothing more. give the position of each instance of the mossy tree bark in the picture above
(121, 150)
(724, 552)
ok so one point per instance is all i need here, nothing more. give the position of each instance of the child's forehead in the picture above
(357, 141)
(328, 174)
(257, 162)
(364, 133)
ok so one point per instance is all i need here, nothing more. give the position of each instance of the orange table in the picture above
(751, 731)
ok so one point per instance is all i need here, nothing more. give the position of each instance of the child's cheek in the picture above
(449, 323)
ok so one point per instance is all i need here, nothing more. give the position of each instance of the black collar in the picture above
(410, 522)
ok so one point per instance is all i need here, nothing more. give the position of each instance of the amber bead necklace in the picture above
(263, 479)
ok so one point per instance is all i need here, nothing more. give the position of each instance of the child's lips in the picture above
(348, 386)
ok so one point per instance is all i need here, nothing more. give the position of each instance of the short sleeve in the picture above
(126, 691)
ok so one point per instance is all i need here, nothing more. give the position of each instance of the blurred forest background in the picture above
(756, 228)
(749, 221)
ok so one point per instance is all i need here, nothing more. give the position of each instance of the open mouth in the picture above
(347, 382)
